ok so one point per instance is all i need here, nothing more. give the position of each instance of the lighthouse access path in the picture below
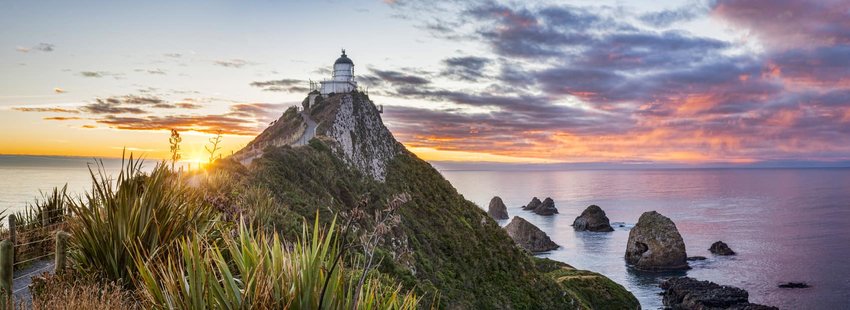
(310, 132)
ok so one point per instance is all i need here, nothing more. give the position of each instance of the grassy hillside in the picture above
(445, 245)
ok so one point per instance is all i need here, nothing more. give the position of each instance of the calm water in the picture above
(22, 177)
(785, 224)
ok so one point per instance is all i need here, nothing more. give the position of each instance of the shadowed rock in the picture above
(547, 207)
(688, 293)
(720, 248)
(528, 236)
(794, 285)
(497, 209)
(695, 258)
(592, 219)
(533, 204)
(655, 244)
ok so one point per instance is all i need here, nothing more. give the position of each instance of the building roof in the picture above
(344, 59)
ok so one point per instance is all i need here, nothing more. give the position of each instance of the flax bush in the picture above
(262, 273)
(133, 217)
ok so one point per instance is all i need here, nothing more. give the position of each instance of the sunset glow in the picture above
(662, 81)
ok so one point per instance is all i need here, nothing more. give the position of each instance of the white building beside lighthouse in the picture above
(343, 77)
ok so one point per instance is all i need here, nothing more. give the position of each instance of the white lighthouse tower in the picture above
(343, 77)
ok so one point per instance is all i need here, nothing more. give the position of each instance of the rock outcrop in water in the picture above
(688, 293)
(547, 207)
(655, 244)
(497, 209)
(592, 219)
(533, 204)
(794, 285)
(528, 236)
(720, 248)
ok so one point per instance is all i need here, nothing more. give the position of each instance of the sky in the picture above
(691, 81)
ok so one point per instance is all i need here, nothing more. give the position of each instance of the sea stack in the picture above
(528, 236)
(497, 209)
(655, 244)
(547, 207)
(720, 248)
(593, 219)
(533, 204)
(689, 293)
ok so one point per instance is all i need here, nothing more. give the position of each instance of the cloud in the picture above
(44, 47)
(100, 74)
(666, 18)
(790, 23)
(232, 63)
(188, 105)
(109, 107)
(61, 118)
(284, 85)
(36, 109)
(243, 119)
(396, 77)
(93, 74)
(173, 55)
(128, 104)
(469, 68)
(590, 83)
(59, 90)
(41, 47)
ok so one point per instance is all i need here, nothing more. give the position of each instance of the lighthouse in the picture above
(343, 77)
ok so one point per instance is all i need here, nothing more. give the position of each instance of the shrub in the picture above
(137, 216)
(262, 273)
(74, 291)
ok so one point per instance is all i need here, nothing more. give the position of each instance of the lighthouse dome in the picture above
(343, 59)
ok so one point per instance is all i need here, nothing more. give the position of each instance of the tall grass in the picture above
(155, 235)
(135, 216)
(34, 226)
(254, 270)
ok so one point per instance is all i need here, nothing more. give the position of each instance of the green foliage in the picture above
(50, 209)
(262, 274)
(137, 216)
(259, 207)
(591, 290)
(452, 245)
(35, 226)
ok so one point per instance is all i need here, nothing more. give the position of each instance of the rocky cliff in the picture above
(445, 247)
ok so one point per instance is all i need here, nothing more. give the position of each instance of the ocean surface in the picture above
(785, 224)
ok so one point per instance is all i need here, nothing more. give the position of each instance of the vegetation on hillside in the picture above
(156, 240)
(444, 246)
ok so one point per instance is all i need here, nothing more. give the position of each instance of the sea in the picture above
(787, 225)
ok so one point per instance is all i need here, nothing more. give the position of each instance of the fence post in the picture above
(6, 272)
(13, 237)
(44, 218)
(61, 246)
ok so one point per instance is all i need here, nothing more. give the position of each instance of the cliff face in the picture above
(351, 120)
(361, 137)
(445, 247)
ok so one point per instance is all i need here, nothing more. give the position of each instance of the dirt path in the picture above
(23, 278)
(310, 132)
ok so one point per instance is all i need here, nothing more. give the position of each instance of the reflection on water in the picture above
(785, 224)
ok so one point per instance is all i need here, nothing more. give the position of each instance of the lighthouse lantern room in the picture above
(343, 77)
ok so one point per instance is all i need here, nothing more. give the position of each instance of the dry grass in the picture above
(74, 292)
